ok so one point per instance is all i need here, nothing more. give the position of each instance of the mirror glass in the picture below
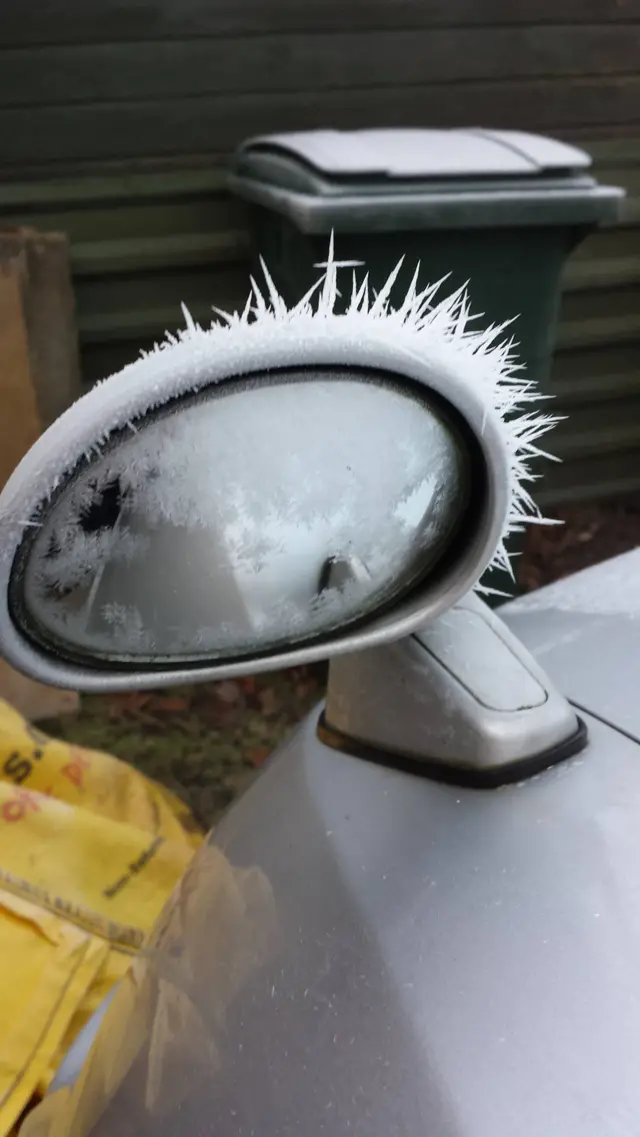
(261, 513)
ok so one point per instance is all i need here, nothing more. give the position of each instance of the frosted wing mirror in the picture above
(262, 513)
(285, 487)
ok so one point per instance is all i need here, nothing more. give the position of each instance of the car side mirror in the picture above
(293, 486)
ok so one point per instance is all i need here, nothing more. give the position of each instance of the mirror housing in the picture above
(251, 517)
(423, 345)
(471, 706)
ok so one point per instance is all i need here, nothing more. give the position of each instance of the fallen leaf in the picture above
(128, 703)
(258, 754)
(169, 704)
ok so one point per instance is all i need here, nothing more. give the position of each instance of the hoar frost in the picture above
(259, 494)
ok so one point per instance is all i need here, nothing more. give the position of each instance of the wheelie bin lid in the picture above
(385, 180)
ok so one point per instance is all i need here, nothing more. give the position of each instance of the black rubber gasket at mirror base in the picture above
(464, 776)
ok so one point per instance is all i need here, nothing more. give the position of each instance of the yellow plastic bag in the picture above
(31, 760)
(163, 1030)
(89, 852)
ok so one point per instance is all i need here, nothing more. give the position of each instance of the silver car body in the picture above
(363, 951)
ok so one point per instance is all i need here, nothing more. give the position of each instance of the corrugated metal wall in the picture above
(596, 371)
(116, 118)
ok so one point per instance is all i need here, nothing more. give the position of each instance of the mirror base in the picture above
(461, 701)
(469, 777)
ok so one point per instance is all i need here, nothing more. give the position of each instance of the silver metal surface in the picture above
(462, 691)
(65, 443)
(586, 632)
(403, 958)
(359, 950)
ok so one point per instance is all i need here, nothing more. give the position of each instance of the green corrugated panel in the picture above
(596, 371)
(141, 244)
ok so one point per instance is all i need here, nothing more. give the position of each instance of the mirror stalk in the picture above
(461, 700)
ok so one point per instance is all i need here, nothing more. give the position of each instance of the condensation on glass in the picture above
(259, 514)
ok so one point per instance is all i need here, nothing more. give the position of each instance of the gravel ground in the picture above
(590, 534)
(207, 741)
